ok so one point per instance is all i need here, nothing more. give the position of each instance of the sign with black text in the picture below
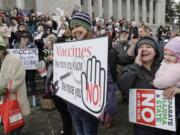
(80, 73)
(28, 56)
(149, 107)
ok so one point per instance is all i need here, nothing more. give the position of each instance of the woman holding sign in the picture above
(25, 43)
(140, 76)
(85, 124)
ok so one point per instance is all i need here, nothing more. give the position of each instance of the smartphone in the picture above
(135, 32)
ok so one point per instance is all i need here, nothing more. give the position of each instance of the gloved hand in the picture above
(2, 90)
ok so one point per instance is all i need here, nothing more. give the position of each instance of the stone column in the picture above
(20, 4)
(119, 4)
(95, 8)
(151, 8)
(128, 10)
(161, 12)
(136, 10)
(110, 9)
(2, 4)
(144, 10)
(100, 8)
(89, 7)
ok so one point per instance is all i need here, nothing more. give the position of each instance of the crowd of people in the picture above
(137, 58)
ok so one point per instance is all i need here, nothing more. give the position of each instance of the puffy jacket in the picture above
(135, 76)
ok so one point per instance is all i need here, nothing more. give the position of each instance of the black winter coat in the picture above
(135, 76)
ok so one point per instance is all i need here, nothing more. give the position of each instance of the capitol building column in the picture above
(20, 4)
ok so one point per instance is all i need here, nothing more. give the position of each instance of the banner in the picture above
(41, 68)
(149, 107)
(80, 73)
(28, 56)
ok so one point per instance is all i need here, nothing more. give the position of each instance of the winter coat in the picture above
(111, 101)
(167, 76)
(18, 34)
(111, 88)
(121, 53)
(29, 45)
(135, 76)
(13, 69)
(5, 32)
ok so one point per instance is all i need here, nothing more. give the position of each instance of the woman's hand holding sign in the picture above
(171, 92)
(93, 85)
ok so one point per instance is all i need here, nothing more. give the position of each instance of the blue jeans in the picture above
(85, 127)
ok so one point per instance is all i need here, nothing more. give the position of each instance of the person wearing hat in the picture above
(25, 43)
(12, 69)
(122, 47)
(22, 28)
(122, 58)
(137, 33)
(84, 123)
(140, 75)
(168, 75)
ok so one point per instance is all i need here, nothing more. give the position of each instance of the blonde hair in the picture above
(52, 38)
(146, 28)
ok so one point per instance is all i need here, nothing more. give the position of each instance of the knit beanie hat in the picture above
(81, 19)
(2, 43)
(147, 40)
(174, 46)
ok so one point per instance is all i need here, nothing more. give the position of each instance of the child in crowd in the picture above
(169, 72)
(168, 75)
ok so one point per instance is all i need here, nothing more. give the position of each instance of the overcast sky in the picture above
(177, 0)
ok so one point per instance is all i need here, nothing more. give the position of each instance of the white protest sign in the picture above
(28, 56)
(149, 107)
(80, 73)
(41, 68)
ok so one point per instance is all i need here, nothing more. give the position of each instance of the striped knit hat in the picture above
(2, 43)
(81, 19)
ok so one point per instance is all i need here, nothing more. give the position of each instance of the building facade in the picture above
(148, 11)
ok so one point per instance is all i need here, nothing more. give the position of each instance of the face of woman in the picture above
(142, 32)
(79, 32)
(49, 45)
(148, 53)
(169, 56)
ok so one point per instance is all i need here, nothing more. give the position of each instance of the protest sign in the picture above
(149, 107)
(28, 56)
(80, 73)
(41, 68)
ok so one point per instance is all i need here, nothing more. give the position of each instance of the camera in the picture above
(47, 52)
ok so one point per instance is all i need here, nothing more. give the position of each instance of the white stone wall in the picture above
(9, 4)
(49, 6)
(30, 4)
(124, 8)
